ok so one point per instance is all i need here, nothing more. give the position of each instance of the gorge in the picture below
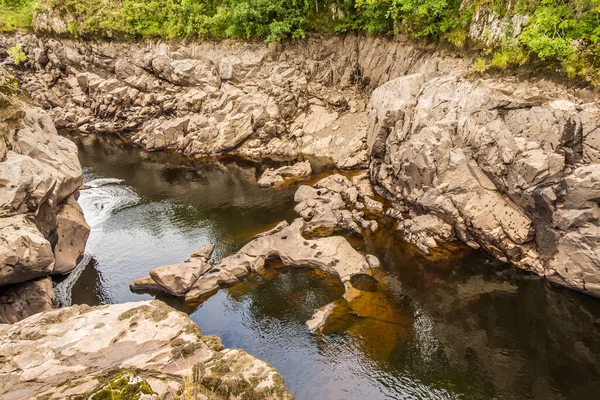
(466, 204)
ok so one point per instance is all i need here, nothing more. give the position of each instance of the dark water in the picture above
(453, 325)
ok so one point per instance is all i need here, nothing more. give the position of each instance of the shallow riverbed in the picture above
(456, 324)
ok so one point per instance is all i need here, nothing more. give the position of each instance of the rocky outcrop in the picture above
(26, 299)
(510, 166)
(42, 229)
(176, 279)
(490, 160)
(336, 203)
(201, 99)
(147, 347)
(197, 278)
(275, 177)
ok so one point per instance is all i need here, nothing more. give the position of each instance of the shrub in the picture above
(17, 54)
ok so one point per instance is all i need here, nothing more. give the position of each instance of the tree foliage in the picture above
(558, 32)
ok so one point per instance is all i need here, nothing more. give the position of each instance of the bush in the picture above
(563, 33)
(17, 54)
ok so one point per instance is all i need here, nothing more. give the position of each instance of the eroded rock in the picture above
(24, 253)
(497, 162)
(330, 254)
(72, 232)
(25, 299)
(79, 350)
(275, 177)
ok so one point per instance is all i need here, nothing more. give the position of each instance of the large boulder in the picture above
(72, 232)
(24, 253)
(504, 164)
(87, 351)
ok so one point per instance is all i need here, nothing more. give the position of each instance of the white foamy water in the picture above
(104, 198)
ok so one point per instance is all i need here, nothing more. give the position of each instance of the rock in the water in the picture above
(330, 254)
(204, 252)
(85, 350)
(72, 232)
(24, 253)
(274, 177)
(325, 205)
(145, 284)
(25, 299)
(177, 279)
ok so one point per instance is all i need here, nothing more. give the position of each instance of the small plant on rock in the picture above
(17, 54)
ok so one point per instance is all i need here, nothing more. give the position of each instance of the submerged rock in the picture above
(147, 347)
(274, 177)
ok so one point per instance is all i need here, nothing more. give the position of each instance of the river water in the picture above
(456, 324)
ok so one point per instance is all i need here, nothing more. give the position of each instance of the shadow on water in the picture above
(455, 324)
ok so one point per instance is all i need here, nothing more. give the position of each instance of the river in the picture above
(456, 324)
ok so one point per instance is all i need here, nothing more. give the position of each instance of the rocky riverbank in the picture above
(143, 350)
(42, 228)
(502, 165)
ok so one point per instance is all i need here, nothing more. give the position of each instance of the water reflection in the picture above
(455, 324)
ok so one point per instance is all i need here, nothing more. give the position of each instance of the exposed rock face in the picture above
(204, 99)
(24, 253)
(42, 229)
(79, 350)
(275, 177)
(512, 168)
(25, 299)
(325, 205)
(493, 159)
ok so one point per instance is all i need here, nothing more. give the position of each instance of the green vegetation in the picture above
(17, 54)
(554, 33)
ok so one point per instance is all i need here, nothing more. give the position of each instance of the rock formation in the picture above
(42, 230)
(275, 177)
(92, 351)
(20, 301)
(197, 278)
(504, 166)
(177, 279)
(501, 165)
(326, 205)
